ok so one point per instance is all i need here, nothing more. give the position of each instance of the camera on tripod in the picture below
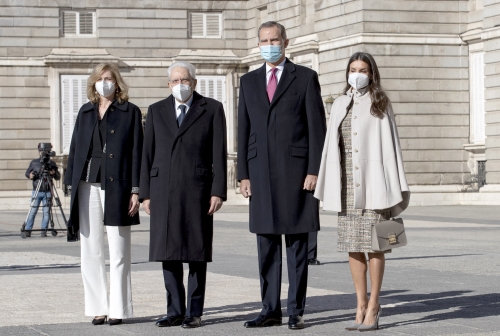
(45, 149)
(44, 176)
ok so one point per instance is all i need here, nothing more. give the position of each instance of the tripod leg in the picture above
(32, 206)
(55, 196)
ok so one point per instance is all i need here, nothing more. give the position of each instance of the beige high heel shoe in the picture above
(370, 327)
(354, 325)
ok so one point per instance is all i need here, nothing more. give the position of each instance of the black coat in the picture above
(181, 169)
(279, 143)
(122, 160)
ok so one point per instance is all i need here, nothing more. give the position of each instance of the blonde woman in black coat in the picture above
(103, 171)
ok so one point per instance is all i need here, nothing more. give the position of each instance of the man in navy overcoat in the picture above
(281, 131)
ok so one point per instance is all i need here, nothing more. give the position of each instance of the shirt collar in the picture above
(357, 93)
(279, 66)
(188, 103)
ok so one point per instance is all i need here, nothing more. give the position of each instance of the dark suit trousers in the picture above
(313, 245)
(173, 275)
(269, 248)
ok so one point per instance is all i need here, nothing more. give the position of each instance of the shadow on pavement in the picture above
(455, 304)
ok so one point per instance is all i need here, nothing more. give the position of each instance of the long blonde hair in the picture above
(121, 93)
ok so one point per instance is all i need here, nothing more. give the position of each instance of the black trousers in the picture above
(313, 245)
(173, 274)
(269, 248)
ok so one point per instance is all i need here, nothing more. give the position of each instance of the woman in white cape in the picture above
(362, 178)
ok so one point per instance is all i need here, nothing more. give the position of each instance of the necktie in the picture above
(272, 84)
(181, 116)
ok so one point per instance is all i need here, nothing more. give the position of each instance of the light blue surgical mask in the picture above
(271, 53)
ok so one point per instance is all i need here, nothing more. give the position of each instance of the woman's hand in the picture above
(133, 205)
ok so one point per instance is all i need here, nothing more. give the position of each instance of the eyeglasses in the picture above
(181, 80)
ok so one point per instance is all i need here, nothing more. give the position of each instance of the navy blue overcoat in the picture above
(279, 144)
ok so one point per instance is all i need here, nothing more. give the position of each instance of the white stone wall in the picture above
(422, 49)
(491, 35)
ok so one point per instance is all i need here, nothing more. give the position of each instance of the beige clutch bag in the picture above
(388, 235)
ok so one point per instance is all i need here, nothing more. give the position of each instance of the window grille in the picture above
(78, 23)
(206, 25)
(477, 97)
(74, 95)
(213, 87)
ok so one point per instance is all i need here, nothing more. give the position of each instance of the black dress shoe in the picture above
(44, 234)
(170, 321)
(296, 322)
(313, 262)
(263, 321)
(191, 322)
(113, 322)
(98, 321)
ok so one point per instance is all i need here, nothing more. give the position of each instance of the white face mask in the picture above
(358, 80)
(182, 92)
(105, 88)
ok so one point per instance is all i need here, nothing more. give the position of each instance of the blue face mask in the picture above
(271, 53)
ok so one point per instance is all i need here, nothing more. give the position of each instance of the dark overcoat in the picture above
(124, 137)
(279, 144)
(181, 169)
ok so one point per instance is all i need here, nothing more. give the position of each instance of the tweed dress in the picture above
(354, 225)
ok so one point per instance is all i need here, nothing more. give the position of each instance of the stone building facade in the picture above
(439, 62)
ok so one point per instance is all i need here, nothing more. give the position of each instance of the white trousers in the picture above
(97, 302)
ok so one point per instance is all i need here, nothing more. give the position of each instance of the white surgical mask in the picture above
(358, 80)
(105, 88)
(181, 92)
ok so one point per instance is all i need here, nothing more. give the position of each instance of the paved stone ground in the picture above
(445, 282)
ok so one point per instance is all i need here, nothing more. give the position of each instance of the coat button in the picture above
(357, 184)
(354, 103)
(112, 131)
(111, 156)
(111, 179)
(355, 117)
(112, 109)
(357, 167)
(355, 133)
(356, 150)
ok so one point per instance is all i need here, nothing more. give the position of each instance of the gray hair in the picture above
(270, 24)
(185, 65)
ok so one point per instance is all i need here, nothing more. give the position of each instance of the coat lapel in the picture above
(88, 123)
(169, 115)
(260, 84)
(194, 112)
(286, 79)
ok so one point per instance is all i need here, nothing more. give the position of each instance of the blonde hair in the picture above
(121, 93)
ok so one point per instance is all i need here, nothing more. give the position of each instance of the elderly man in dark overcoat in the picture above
(281, 130)
(183, 182)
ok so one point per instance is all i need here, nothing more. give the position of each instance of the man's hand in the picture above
(310, 182)
(215, 204)
(145, 206)
(32, 176)
(133, 205)
(245, 188)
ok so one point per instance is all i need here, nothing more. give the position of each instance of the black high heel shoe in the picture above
(113, 322)
(98, 321)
